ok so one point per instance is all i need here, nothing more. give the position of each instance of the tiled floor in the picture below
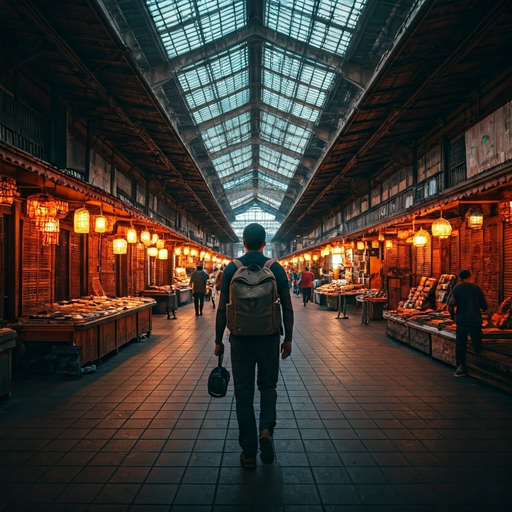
(364, 424)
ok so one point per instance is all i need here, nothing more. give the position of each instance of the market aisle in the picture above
(364, 424)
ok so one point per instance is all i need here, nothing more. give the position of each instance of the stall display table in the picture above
(97, 337)
(342, 304)
(373, 308)
(166, 302)
(7, 343)
(184, 295)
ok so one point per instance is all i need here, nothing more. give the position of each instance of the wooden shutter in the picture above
(36, 281)
(2, 267)
(62, 263)
(74, 265)
(102, 263)
(422, 257)
(455, 252)
(507, 258)
(491, 262)
(136, 268)
(465, 248)
(436, 257)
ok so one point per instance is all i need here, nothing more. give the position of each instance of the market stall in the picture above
(165, 298)
(98, 324)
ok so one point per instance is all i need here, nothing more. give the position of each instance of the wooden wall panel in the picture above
(74, 265)
(2, 267)
(436, 257)
(507, 259)
(62, 263)
(137, 268)
(36, 280)
(465, 248)
(455, 252)
(102, 264)
(491, 262)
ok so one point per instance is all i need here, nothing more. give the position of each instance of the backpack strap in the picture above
(238, 264)
(269, 263)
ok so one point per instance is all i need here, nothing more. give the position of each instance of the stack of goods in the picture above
(503, 317)
(335, 288)
(86, 309)
(443, 289)
(420, 298)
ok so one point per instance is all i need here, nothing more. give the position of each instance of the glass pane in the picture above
(272, 182)
(326, 24)
(233, 162)
(284, 133)
(185, 25)
(229, 132)
(277, 162)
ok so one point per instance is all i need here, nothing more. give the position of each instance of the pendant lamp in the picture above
(145, 237)
(62, 208)
(475, 218)
(160, 243)
(381, 237)
(506, 211)
(52, 226)
(82, 221)
(186, 250)
(315, 257)
(420, 238)
(131, 235)
(389, 244)
(51, 238)
(360, 245)
(154, 239)
(152, 251)
(194, 253)
(307, 256)
(120, 246)
(441, 227)
(8, 190)
(100, 224)
(163, 254)
(178, 251)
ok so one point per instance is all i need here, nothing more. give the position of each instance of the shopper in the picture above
(198, 281)
(262, 351)
(306, 285)
(467, 301)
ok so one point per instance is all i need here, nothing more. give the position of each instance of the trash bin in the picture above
(69, 361)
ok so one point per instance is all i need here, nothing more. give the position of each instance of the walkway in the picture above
(364, 425)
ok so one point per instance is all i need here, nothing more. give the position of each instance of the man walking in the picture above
(306, 285)
(198, 281)
(249, 351)
(467, 301)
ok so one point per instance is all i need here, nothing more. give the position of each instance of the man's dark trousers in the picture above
(461, 339)
(246, 353)
(199, 302)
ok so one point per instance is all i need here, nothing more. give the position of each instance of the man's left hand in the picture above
(219, 349)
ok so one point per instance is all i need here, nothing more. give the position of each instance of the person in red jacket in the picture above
(306, 285)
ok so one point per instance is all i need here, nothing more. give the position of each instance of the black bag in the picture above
(218, 380)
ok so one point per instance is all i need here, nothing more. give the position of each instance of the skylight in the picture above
(233, 162)
(256, 214)
(184, 25)
(325, 24)
(232, 131)
(278, 162)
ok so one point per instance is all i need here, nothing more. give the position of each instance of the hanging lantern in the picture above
(307, 256)
(315, 257)
(145, 237)
(177, 251)
(52, 226)
(186, 250)
(381, 237)
(421, 238)
(194, 253)
(41, 208)
(154, 239)
(475, 218)
(100, 224)
(152, 251)
(62, 208)
(285, 263)
(360, 245)
(160, 244)
(51, 238)
(389, 244)
(295, 260)
(441, 227)
(201, 255)
(336, 249)
(120, 246)
(131, 236)
(163, 254)
(375, 244)
(8, 190)
(506, 211)
(207, 256)
(403, 234)
(82, 221)
(409, 240)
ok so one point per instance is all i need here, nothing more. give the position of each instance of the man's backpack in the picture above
(253, 308)
(218, 380)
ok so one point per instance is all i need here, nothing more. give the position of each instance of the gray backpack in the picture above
(253, 308)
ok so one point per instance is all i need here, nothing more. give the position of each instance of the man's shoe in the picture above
(247, 462)
(459, 372)
(267, 454)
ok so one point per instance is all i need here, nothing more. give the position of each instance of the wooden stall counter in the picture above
(97, 337)
(184, 295)
(166, 301)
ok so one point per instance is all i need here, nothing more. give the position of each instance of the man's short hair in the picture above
(307, 268)
(199, 267)
(464, 274)
(254, 235)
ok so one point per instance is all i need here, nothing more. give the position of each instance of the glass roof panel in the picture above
(287, 104)
(325, 24)
(269, 200)
(256, 214)
(185, 25)
(214, 87)
(233, 162)
(238, 182)
(272, 182)
(231, 131)
(277, 162)
(284, 133)
(242, 200)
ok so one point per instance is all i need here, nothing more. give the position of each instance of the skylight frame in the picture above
(227, 133)
(277, 162)
(233, 162)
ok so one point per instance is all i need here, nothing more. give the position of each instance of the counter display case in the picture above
(98, 324)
